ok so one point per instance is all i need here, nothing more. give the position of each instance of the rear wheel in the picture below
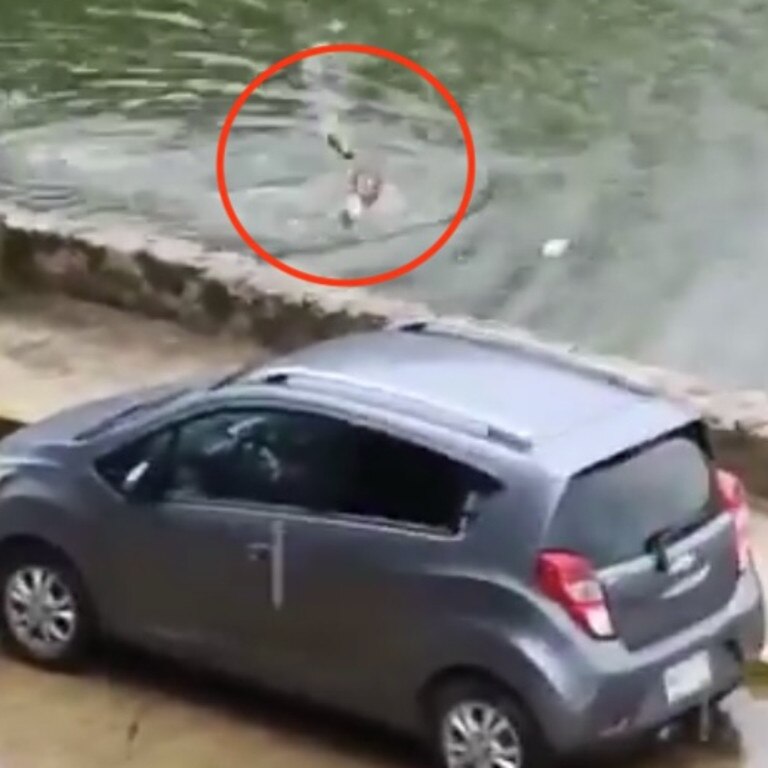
(476, 724)
(45, 616)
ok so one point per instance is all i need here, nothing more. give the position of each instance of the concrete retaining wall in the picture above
(236, 295)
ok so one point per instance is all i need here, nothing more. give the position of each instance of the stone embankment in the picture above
(230, 295)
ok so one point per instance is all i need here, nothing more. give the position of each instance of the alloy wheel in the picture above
(477, 734)
(40, 610)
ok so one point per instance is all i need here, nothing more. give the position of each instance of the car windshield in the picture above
(115, 418)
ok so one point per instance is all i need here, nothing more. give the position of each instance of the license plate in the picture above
(688, 678)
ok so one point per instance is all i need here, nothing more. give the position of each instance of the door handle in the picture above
(272, 552)
(258, 551)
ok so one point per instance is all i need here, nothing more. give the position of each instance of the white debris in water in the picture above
(14, 99)
(555, 248)
(336, 26)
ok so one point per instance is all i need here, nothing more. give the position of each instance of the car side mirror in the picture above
(141, 483)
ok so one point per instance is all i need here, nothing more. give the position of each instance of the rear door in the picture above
(365, 565)
(649, 521)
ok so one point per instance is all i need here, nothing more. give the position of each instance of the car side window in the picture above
(399, 481)
(263, 456)
(116, 467)
(308, 461)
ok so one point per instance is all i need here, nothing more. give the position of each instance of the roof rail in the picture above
(566, 360)
(448, 416)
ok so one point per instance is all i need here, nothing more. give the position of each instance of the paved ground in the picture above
(55, 351)
(132, 711)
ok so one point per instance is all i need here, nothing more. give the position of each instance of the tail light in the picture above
(571, 581)
(733, 497)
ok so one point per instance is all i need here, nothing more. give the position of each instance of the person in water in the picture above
(365, 178)
(365, 185)
(364, 188)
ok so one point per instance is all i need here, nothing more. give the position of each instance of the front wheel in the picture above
(479, 725)
(45, 616)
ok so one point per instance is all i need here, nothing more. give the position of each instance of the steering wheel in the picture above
(268, 462)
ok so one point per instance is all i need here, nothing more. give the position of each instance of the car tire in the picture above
(45, 613)
(457, 711)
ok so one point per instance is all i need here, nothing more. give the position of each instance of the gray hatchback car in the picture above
(433, 528)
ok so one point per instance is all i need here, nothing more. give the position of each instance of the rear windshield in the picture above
(610, 513)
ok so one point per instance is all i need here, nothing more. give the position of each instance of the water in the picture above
(637, 129)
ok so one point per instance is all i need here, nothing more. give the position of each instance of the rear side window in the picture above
(394, 480)
(610, 513)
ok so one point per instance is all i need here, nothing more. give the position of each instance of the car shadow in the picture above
(285, 717)
(359, 741)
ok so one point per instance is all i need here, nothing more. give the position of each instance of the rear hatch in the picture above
(650, 523)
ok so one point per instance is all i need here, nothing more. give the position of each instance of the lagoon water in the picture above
(637, 129)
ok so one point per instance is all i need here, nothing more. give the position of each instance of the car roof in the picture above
(570, 414)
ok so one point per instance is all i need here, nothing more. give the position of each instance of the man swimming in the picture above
(365, 186)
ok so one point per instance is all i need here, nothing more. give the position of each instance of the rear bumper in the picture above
(606, 693)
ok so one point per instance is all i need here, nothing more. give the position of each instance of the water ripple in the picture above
(638, 129)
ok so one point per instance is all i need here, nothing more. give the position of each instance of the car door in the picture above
(363, 576)
(194, 560)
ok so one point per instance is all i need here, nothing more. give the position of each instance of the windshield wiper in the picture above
(116, 418)
(240, 372)
(231, 377)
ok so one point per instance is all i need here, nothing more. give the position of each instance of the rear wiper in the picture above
(657, 544)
